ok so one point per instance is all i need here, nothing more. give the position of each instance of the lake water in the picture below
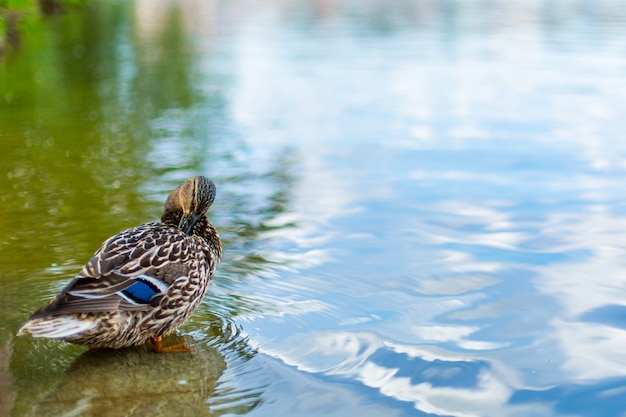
(423, 203)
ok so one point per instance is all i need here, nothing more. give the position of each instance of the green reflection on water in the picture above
(132, 382)
(99, 120)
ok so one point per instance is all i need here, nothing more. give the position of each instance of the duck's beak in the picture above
(187, 222)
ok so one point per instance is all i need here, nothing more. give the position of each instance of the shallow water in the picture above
(421, 203)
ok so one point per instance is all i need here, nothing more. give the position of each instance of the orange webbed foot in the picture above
(157, 342)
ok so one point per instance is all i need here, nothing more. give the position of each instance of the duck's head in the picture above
(188, 203)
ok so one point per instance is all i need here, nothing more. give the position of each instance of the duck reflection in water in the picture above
(129, 382)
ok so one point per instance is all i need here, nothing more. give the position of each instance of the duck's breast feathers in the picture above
(129, 270)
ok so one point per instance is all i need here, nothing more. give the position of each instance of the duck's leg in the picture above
(157, 342)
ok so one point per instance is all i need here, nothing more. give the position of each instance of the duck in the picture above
(142, 283)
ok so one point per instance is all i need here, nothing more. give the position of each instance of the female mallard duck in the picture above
(143, 282)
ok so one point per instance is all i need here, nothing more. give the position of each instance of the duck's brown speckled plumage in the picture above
(143, 282)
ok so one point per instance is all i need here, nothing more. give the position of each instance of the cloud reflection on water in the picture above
(466, 188)
(434, 380)
(592, 349)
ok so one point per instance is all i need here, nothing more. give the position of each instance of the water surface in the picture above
(421, 203)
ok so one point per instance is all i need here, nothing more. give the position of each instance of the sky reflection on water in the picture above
(467, 196)
(421, 203)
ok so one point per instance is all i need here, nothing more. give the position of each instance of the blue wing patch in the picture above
(140, 292)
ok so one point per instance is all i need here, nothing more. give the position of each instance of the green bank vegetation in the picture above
(17, 16)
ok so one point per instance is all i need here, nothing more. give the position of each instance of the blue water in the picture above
(422, 202)
(458, 209)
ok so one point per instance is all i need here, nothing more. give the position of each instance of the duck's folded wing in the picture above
(107, 294)
(125, 274)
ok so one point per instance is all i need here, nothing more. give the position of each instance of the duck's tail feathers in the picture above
(59, 327)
